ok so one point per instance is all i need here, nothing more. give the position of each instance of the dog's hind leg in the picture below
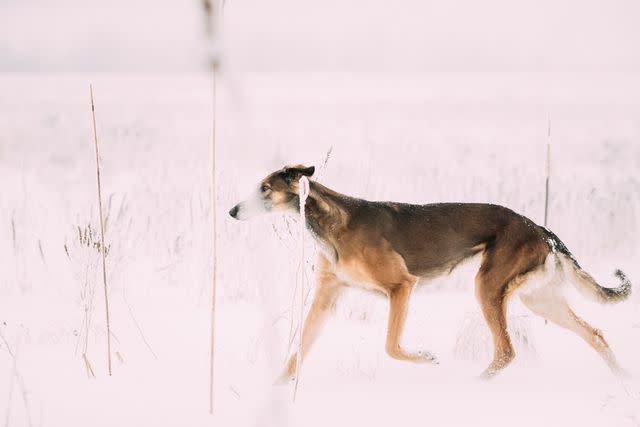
(550, 304)
(493, 297)
(502, 266)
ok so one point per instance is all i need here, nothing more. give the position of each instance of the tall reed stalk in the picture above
(548, 173)
(102, 245)
(214, 246)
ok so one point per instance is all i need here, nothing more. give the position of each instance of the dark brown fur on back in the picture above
(430, 238)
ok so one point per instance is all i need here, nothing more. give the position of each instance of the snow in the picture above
(402, 137)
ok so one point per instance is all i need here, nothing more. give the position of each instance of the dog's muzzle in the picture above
(234, 212)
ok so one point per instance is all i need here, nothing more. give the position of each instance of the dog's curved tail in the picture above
(591, 289)
(583, 281)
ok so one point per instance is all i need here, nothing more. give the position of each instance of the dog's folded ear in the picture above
(307, 171)
(294, 173)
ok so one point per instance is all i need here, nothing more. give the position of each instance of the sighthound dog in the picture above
(387, 247)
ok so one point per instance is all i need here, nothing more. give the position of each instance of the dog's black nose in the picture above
(234, 211)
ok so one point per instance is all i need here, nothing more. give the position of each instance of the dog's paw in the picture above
(426, 357)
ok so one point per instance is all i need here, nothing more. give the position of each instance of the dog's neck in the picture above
(326, 212)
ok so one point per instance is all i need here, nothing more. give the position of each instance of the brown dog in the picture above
(387, 247)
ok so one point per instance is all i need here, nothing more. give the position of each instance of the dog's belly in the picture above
(360, 284)
(431, 268)
(354, 274)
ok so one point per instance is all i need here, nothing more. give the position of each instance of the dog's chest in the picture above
(327, 250)
(349, 267)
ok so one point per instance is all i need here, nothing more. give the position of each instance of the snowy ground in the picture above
(398, 137)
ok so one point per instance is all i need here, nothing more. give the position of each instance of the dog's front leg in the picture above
(327, 291)
(398, 306)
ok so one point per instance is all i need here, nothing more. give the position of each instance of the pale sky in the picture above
(328, 35)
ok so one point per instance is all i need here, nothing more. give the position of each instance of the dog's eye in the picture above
(264, 188)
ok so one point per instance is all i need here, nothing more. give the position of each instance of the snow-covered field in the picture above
(413, 138)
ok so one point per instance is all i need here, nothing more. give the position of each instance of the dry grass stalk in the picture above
(15, 376)
(546, 181)
(10, 397)
(135, 321)
(294, 331)
(212, 9)
(6, 344)
(214, 245)
(323, 166)
(103, 247)
(87, 364)
(548, 172)
(303, 193)
(86, 242)
(13, 230)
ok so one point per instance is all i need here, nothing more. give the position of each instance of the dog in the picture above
(387, 247)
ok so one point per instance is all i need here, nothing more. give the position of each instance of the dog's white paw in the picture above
(427, 357)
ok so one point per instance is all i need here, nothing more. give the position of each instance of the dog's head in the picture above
(278, 192)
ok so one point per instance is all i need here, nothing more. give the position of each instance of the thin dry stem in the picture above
(292, 332)
(304, 192)
(135, 321)
(13, 230)
(323, 166)
(214, 246)
(102, 245)
(15, 376)
(548, 173)
(6, 344)
(87, 364)
(10, 397)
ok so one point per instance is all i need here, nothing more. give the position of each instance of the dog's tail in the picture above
(589, 287)
(583, 281)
